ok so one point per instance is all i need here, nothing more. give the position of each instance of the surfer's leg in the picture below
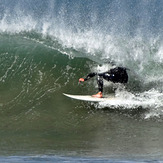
(100, 83)
(100, 86)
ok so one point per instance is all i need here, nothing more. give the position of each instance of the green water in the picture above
(66, 127)
(36, 118)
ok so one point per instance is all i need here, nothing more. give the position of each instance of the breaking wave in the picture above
(46, 46)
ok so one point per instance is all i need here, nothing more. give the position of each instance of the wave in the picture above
(34, 68)
(47, 45)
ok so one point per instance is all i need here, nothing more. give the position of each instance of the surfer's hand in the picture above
(81, 80)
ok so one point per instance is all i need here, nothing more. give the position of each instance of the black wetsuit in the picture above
(115, 75)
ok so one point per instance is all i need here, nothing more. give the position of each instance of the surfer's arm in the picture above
(91, 75)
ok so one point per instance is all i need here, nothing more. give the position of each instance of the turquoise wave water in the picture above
(34, 66)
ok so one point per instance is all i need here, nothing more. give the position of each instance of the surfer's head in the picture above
(102, 68)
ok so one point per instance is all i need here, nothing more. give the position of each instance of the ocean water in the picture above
(46, 46)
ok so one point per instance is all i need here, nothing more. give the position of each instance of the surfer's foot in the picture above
(98, 95)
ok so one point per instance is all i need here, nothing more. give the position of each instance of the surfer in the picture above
(115, 75)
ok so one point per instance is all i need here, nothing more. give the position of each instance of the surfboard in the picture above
(90, 98)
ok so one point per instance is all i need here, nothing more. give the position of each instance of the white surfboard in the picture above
(90, 98)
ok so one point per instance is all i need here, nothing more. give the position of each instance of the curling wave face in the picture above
(46, 46)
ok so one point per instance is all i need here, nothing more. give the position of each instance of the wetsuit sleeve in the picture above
(91, 75)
